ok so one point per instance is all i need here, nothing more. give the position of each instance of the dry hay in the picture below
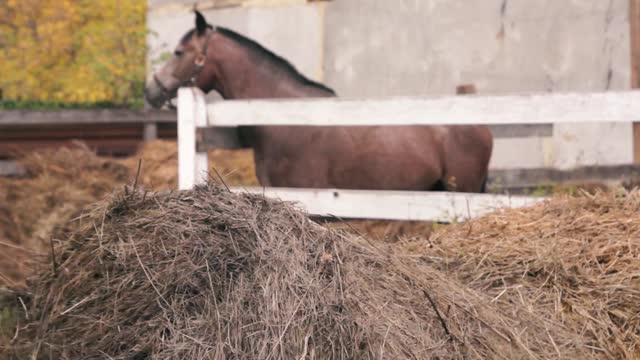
(60, 183)
(236, 167)
(210, 274)
(14, 258)
(386, 230)
(571, 260)
(160, 165)
(63, 181)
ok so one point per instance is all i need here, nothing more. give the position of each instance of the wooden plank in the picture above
(521, 178)
(10, 119)
(192, 165)
(610, 106)
(108, 147)
(393, 205)
(521, 131)
(634, 21)
(200, 114)
(186, 139)
(500, 180)
(54, 131)
(211, 138)
(510, 131)
(82, 116)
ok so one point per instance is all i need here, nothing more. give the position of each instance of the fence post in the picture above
(192, 113)
(150, 132)
(201, 158)
(186, 139)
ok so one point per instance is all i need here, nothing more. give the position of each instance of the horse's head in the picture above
(185, 66)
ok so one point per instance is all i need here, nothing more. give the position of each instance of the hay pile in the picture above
(389, 231)
(571, 260)
(160, 165)
(60, 183)
(210, 274)
(14, 258)
(159, 171)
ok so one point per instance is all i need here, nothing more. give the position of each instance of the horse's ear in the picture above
(201, 23)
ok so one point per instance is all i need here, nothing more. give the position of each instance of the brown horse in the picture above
(436, 158)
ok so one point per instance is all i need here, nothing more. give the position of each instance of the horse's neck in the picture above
(242, 75)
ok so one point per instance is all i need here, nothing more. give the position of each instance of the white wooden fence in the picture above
(194, 113)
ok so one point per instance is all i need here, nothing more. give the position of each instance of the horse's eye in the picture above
(178, 53)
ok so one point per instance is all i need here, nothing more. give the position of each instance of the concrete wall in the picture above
(375, 48)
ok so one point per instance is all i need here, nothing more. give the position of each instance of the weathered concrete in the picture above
(524, 153)
(374, 48)
(428, 47)
(163, 5)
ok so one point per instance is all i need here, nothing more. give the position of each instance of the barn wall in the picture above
(378, 48)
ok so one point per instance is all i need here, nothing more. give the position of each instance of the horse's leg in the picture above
(261, 169)
(438, 186)
(463, 183)
(457, 179)
(483, 187)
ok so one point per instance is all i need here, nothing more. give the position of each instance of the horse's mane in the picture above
(261, 50)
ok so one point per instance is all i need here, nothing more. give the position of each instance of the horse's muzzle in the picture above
(154, 95)
(157, 94)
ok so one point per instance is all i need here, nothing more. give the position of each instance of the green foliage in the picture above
(72, 51)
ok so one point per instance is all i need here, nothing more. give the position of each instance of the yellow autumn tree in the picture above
(73, 51)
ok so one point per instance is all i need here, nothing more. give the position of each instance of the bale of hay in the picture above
(210, 274)
(574, 260)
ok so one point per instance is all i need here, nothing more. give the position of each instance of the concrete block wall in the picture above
(377, 48)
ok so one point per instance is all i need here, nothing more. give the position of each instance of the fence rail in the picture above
(528, 109)
(83, 117)
(203, 126)
(393, 205)
(196, 119)
(120, 131)
(34, 118)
